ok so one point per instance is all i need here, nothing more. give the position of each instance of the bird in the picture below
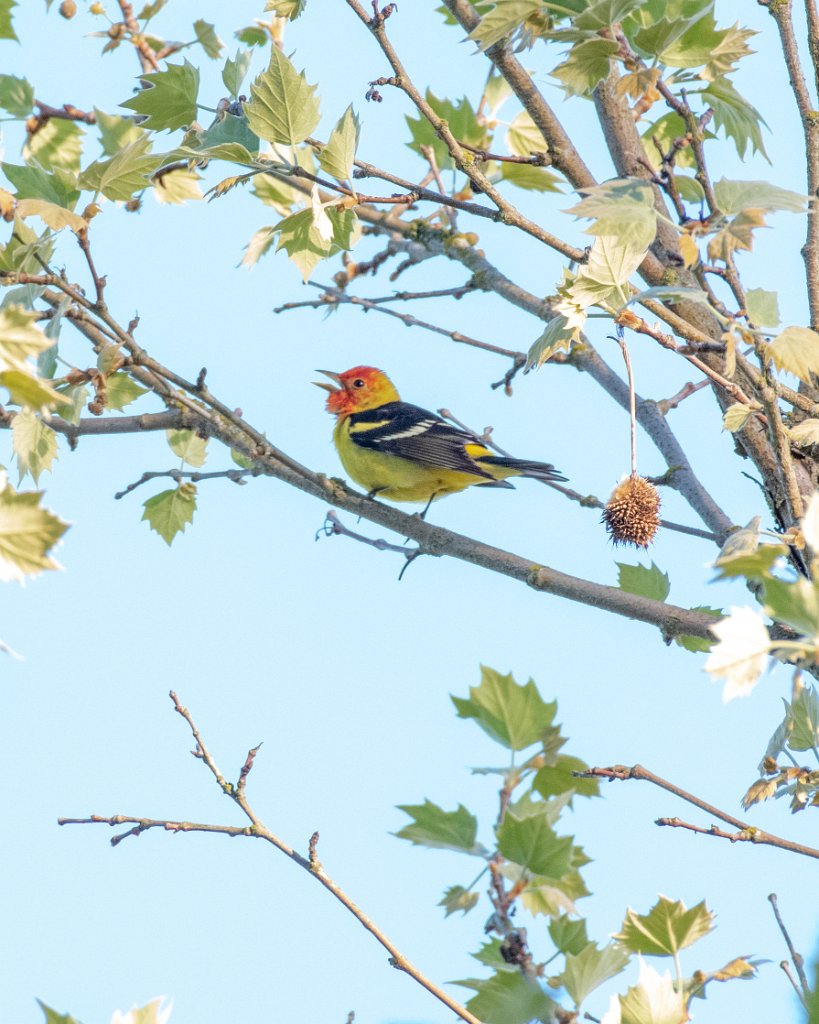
(404, 453)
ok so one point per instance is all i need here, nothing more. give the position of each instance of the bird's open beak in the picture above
(329, 387)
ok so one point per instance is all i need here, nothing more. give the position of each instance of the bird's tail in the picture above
(523, 467)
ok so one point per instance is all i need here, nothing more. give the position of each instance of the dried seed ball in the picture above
(632, 513)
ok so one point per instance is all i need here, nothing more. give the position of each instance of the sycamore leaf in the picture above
(336, 158)
(169, 102)
(532, 843)
(260, 243)
(207, 38)
(27, 535)
(588, 63)
(16, 95)
(508, 997)
(26, 389)
(796, 350)
(796, 603)
(54, 216)
(169, 512)
(666, 929)
(534, 179)
(736, 416)
(457, 898)
(742, 653)
(513, 715)
(34, 444)
(448, 830)
(55, 146)
(463, 123)
(289, 9)
(235, 71)
(739, 119)
(6, 29)
(558, 336)
(121, 390)
(568, 935)
(523, 137)
(151, 1013)
(805, 433)
(52, 1017)
(737, 235)
(19, 338)
(188, 446)
(116, 131)
(640, 579)
(762, 307)
(283, 107)
(588, 969)
(124, 174)
(735, 196)
(178, 186)
(58, 186)
(704, 45)
(803, 720)
(559, 779)
(505, 18)
(755, 566)
(653, 1000)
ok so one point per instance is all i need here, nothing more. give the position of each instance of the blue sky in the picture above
(314, 648)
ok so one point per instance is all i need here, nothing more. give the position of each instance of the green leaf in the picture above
(659, 35)
(252, 35)
(523, 137)
(124, 174)
(289, 9)
(55, 146)
(558, 337)
(646, 582)
(26, 389)
(532, 843)
(762, 307)
(699, 644)
(207, 38)
(717, 51)
(19, 338)
(169, 102)
(508, 998)
(531, 178)
(260, 243)
(666, 929)
(457, 898)
(16, 95)
(59, 187)
(653, 1001)
(169, 512)
(616, 205)
(568, 936)
(120, 391)
(53, 216)
(27, 535)
(490, 955)
(552, 780)
(736, 196)
(503, 20)
(6, 29)
(588, 64)
(188, 446)
(515, 716)
(177, 186)
(283, 107)
(74, 401)
(34, 444)
(756, 566)
(739, 119)
(462, 121)
(447, 830)
(235, 71)
(52, 1017)
(225, 135)
(587, 970)
(116, 132)
(796, 350)
(336, 158)
(666, 130)
(802, 717)
(274, 192)
(25, 250)
(796, 603)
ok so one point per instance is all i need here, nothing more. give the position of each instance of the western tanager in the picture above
(404, 453)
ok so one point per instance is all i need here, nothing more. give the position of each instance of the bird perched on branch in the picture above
(404, 453)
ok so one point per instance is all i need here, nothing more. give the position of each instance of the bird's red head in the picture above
(362, 387)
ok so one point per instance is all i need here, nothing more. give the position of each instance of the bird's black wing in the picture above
(417, 435)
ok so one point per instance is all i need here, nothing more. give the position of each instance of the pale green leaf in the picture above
(290, 9)
(796, 350)
(735, 196)
(739, 119)
(703, 45)
(235, 71)
(188, 446)
(513, 715)
(54, 216)
(666, 929)
(762, 307)
(169, 512)
(640, 579)
(283, 107)
(336, 158)
(57, 145)
(124, 174)
(588, 63)
(457, 898)
(207, 38)
(121, 390)
(434, 827)
(19, 338)
(795, 603)
(503, 20)
(260, 243)
(568, 935)
(177, 186)
(34, 444)
(805, 433)
(16, 95)
(508, 997)
(588, 969)
(26, 389)
(557, 337)
(737, 235)
(523, 137)
(530, 177)
(27, 535)
(802, 717)
(116, 132)
(275, 193)
(736, 416)
(169, 101)
(653, 1001)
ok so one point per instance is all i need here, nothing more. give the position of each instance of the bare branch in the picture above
(235, 475)
(796, 956)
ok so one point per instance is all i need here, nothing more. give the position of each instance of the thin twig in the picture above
(798, 959)
(236, 475)
(755, 835)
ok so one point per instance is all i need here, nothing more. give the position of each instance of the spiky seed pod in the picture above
(632, 513)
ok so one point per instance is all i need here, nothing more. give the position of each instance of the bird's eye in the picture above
(358, 383)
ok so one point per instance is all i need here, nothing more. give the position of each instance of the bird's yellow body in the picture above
(401, 452)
